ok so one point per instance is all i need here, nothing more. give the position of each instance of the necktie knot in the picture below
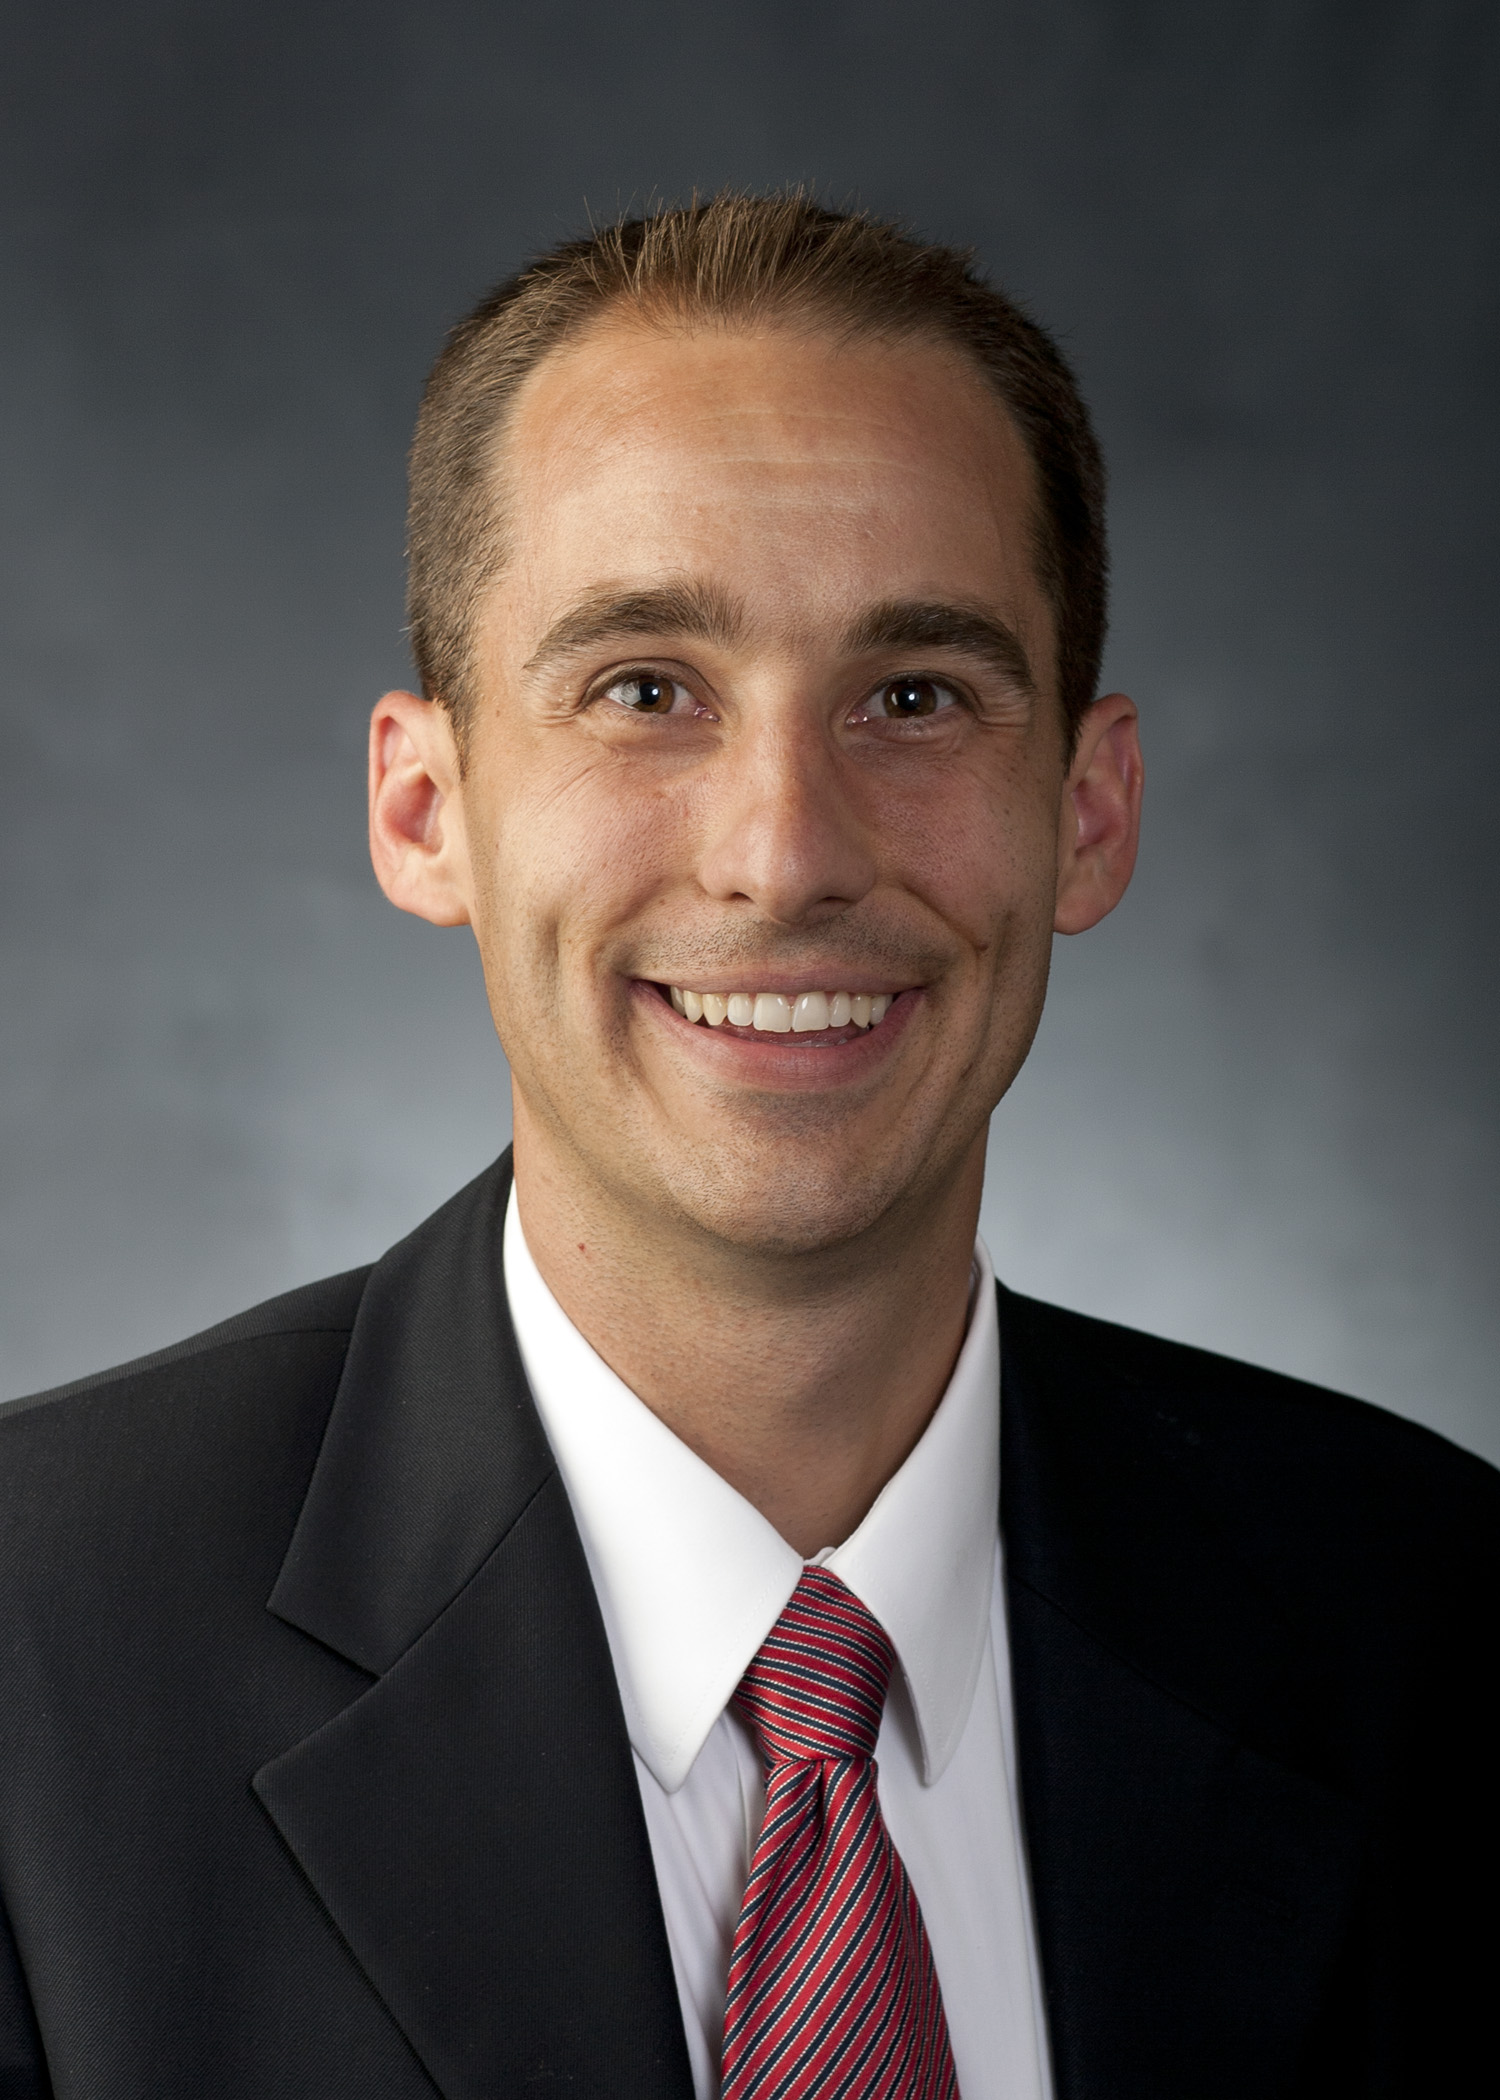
(817, 1687)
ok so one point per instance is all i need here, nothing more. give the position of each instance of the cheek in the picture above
(568, 856)
(982, 855)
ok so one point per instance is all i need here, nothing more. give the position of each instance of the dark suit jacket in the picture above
(315, 1780)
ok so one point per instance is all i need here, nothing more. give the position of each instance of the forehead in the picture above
(805, 475)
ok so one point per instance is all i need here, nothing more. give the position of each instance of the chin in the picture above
(787, 1206)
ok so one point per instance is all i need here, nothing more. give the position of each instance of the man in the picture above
(672, 1626)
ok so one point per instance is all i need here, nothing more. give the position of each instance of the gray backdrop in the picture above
(1260, 1114)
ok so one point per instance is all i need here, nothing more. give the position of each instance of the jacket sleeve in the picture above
(23, 2068)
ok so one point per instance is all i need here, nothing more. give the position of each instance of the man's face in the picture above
(765, 705)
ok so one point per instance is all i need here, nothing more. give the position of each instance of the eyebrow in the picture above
(695, 611)
(702, 612)
(920, 623)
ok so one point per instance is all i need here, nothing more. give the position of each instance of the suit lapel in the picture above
(472, 1825)
(471, 1822)
(1191, 1885)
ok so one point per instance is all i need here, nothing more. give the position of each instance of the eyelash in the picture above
(913, 678)
(642, 674)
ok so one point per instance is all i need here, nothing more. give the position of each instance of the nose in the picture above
(784, 831)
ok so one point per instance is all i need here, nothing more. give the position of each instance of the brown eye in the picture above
(905, 697)
(907, 700)
(647, 693)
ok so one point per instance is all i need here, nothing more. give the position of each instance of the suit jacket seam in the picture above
(377, 1673)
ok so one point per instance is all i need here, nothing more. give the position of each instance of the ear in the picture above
(417, 838)
(1100, 817)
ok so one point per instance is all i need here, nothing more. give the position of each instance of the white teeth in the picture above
(773, 1013)
(778, 1013)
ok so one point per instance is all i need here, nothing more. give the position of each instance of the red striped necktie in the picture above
(832, 1990)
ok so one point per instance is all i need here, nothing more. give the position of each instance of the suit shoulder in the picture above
(323, 1309)
(1193, 1396)
(156, 1466)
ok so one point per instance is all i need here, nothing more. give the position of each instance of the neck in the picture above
(803, 1380)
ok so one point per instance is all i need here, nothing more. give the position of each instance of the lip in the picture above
(814, 1062)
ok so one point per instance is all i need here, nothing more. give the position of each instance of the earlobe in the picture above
(418, 843)
(1100, 815)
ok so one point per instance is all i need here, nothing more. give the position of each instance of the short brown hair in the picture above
(751, 260)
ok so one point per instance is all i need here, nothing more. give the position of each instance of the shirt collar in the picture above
(691, 1577)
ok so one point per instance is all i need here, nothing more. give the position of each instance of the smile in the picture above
(782, 1013)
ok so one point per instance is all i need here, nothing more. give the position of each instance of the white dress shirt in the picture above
(691, 1578)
